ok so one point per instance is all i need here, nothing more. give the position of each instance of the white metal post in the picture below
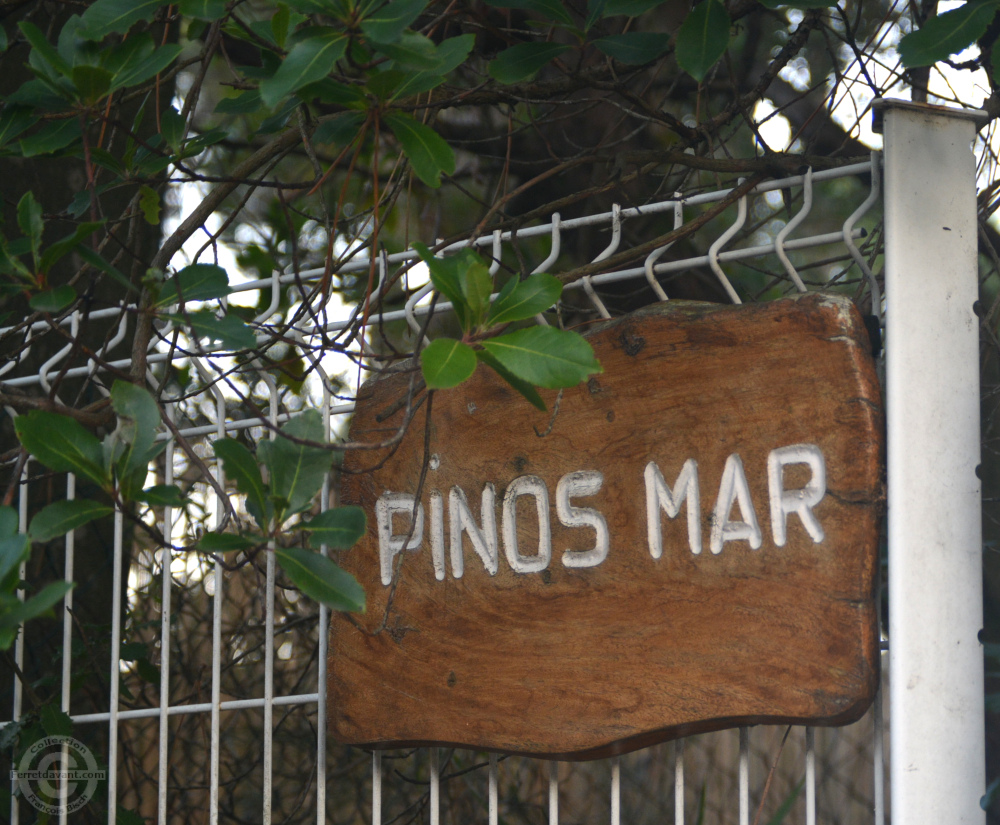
(937, 749)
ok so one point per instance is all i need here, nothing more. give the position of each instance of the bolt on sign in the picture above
(684, 543)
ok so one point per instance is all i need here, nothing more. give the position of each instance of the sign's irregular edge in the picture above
(853, 336)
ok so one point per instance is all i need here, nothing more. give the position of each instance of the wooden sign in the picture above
(686, 542)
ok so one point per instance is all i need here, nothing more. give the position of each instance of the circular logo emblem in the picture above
(57, 774)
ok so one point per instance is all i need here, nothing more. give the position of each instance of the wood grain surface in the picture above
(581, 662)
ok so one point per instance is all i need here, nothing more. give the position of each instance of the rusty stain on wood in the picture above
(579, 617)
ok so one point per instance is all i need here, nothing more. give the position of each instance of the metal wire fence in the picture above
(200, 681)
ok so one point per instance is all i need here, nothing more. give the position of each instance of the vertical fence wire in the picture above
(616, 790)
(166, 589)
(324, 623)
(679, 782)
(67, 645)
(115, 656)
(22, 527)
(272, 389)
(494, 784)
(435, 786)
(376, 787)
(553, 793)
(217, 607)
(744, 776)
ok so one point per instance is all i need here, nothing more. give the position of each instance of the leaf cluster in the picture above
(534, 356)
(118, 465)
(297, 463)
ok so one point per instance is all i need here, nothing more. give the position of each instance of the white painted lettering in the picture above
(484, 541)
(581, 484)
(734, 487)
(660, 496)
(784, 502)
(527, 486)
(437, 533)
(392, 544)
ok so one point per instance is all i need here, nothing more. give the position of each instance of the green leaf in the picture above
(545, 356)
(142, 70)
(703, 38)
(339, 528)
(239, 465)
(414, 50)
(61, 444)
(105, 17)
(242, 104)
(172, 127)
(203, 9)
(446, 363)
(630, 8)
(446, 275)
(13, 121)
(386, 24)
(282, 115)
(523, 61)
(39, 94)
(523, 387)
(29, 219)
(947, 34)
(196, 145)
(102, 265)
(634, 48)
(8, 523)
(163, 495)
(41, 604)
(296, 471)
(595, 11)
(138, 421)
(13, 550)
(330, 91)
(149, 203)
(450, 55)
(53, 300)
(787, 803)
(386, 85)
(66, 245)
(133, 49)
(149, 673)
(133, 651)
(280, 21)
(10, 264)
(228, 330)
(308, 61)
(39, 42)
(63, 516)
(552, 10)
(54, 721)
(52, 137)
(340, 130)
(520, 300)
(477, 287)
(226, 542)
(92, 83)
(428, 153)
(197, 282)
(321, 579)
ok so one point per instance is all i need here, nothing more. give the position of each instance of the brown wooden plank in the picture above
(583, 661)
